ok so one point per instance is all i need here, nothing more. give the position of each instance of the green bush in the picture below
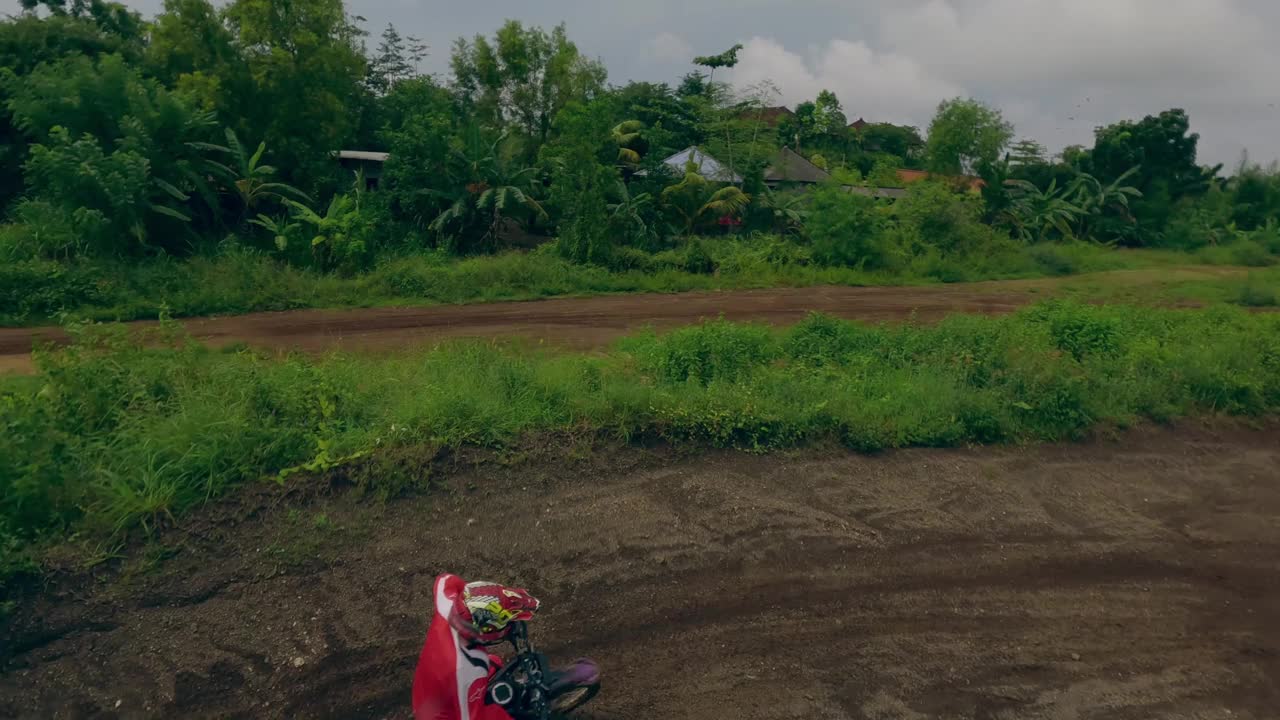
(1258, 292)
(1244, 251)
(716, 350)
(846, 230)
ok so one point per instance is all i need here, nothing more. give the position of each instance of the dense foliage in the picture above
(211, 131)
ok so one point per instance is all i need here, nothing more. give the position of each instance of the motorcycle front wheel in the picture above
(573, 698)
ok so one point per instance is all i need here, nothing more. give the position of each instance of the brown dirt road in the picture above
(591, 322)
(579, 323)
(1136, 579)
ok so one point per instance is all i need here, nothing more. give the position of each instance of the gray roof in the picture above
(877, 192)
(707, 166)
(363, 155)
(790, 166)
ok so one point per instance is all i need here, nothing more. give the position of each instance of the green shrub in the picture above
(714, 350)
(846, 230)
(1258, 292)
(121, 433)
(697, 259)
(1246, 252)
(823, 340)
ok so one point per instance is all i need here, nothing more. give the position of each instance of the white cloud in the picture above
(668, 47)
(877, 86)
(1056, 68)
(1070, 66)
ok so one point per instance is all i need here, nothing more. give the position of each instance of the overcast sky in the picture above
(1057, 68)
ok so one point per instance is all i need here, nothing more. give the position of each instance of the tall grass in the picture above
(113, 436)
(239, 281)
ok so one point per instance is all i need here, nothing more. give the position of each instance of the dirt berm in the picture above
(1136, 577)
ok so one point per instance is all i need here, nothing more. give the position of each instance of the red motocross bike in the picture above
(528, 689)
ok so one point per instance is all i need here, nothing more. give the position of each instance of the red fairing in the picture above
(451, 679)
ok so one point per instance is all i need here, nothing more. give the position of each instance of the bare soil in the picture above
(593, 322)
(578, 323)
(1136, 577)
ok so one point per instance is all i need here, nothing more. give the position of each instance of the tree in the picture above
(396, 59)
(786, 211)
(1105, 203)
(523, 78)
(628, 135)
(631, 218)
(845, 229)
(671, 122)
(902, 141)
(192, 48)
(250, 181)
(1028, 152)
(828, 117)
(307, 70)
(963, 134)
(1034, 213)
(695, 199)
(693, 84)
(418, 126)
(726, 59)
(486, 187)
(115, 147)
(29, 40)
(1164, 149)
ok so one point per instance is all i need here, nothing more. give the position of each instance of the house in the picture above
(703, 164)
(790, 167)
(366, 161)
(772, 116)
(858, 124)
(877, 192)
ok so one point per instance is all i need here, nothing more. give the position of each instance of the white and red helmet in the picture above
(483, 611)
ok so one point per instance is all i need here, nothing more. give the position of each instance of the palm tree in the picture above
(249, 180)
(695, 197)
(486, 191)
(626, 134)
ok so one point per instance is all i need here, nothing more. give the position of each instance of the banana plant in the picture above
(335, 241)
(627, 217)
(1096, 199)
(786, 211)
(250, 181)
(280, 229)
(1034, 213)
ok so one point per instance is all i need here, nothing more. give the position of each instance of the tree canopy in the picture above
(965, 133)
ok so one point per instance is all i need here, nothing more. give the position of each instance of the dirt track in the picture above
(591, 322)
(1133, 579)
(579, 323)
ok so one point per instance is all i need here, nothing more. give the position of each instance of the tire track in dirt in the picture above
(1122, 580)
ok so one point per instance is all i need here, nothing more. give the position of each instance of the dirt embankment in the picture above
(1135, 579)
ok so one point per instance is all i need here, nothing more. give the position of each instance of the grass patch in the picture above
(115, 437)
